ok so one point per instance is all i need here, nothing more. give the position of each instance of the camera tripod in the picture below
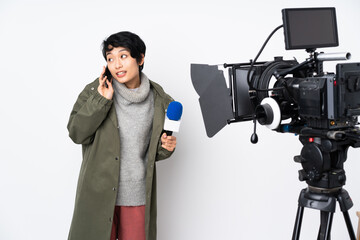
(322, 161)
(326, 203)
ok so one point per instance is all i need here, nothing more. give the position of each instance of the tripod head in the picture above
(323, 155)
(322, 158)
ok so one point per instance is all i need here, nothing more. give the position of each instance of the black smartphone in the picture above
(108, 75)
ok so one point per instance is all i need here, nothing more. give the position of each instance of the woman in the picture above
(118, 119)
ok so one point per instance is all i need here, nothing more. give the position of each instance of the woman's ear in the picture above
(141, 62)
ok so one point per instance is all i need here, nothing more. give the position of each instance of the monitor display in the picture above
(310, 28)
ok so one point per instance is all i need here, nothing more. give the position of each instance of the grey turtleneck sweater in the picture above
(135, 112)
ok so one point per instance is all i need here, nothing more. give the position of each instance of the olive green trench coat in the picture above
(93, 123)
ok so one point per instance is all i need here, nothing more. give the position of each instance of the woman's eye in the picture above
(123, 56)
(110, 60)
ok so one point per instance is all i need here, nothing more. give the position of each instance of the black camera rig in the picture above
(288, 96)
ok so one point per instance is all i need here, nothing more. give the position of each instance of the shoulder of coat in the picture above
(92, 86)
(89, 89)
(160, 91)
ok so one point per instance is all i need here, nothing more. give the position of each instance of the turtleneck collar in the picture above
(129, 94)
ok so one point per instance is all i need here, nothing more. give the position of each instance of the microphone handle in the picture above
(168, 133)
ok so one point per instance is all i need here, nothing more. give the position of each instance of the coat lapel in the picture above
(158, 116)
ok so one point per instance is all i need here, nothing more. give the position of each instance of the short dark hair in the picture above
(127, 40)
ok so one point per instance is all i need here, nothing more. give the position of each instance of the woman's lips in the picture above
(121, 74)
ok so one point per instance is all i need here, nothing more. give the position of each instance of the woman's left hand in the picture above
(168, 142)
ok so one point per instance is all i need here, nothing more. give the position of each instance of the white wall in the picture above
(219, 188)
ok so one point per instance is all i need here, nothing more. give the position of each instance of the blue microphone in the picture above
(173, 118)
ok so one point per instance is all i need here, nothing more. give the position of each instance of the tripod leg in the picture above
(325, 225)
(298, 221)
(349, 225)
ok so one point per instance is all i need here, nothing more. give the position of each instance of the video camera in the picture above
(274, 91)
(288, 96)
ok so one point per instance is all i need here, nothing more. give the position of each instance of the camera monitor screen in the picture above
(310, 28)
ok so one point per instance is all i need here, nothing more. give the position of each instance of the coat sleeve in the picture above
(89, 111)
(162, 153)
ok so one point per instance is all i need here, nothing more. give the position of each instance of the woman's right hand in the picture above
(106, 92)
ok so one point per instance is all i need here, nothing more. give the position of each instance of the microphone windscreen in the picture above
(174, 111)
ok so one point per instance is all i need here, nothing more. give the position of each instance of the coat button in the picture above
(92, 88)
(114, 188)
(116, 158)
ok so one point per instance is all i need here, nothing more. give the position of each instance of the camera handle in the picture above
(281, 74)
(315, 61)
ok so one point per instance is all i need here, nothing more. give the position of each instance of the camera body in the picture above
(273, 91)
(310, 98)
(330, 101)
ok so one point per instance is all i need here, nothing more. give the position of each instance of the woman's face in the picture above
(123, 67)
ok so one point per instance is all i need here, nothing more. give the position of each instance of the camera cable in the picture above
(257, 56)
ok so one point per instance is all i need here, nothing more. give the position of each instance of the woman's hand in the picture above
(168, 142)
(106, 92)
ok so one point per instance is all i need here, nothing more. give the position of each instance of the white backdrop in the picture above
(218, 188)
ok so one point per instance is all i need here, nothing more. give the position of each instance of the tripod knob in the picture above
(313, 175)
(302, 175)
(299, 159)
(342, 179)
(310, 175)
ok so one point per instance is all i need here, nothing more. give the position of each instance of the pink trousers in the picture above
(128, 223)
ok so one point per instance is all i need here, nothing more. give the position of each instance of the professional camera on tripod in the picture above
(287, 96)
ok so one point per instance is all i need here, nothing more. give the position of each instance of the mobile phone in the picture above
(108, 75)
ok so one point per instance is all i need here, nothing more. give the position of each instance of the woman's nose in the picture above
(118, 64)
